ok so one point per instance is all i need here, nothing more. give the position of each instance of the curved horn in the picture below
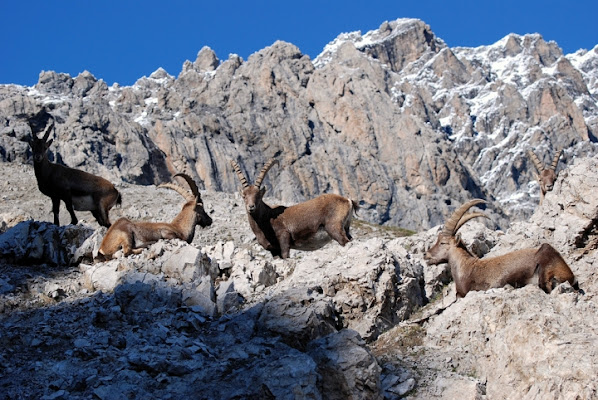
(48, 129)
(188, 196)
(467, 217)
(450, 227)
(555, 160)
(191, 184)
(266, 168)
(239, 173)
(537, 163)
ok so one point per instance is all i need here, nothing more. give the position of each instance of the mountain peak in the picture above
(395, 43)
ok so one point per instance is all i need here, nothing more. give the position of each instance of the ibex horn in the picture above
(467, 217)
(191, 184)
(555, 160)
(188, 196)
(452, 224)
(266, 168)
(239, 173)
(536, 161)
(47, 130)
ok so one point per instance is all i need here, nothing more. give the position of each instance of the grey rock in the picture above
(143, 298)
(183, 264)
(40, 242)
(299, 316)
(346, 366)
(106, 276)
(393, 118)
(5, 287)
(228, 299)
(202, 296)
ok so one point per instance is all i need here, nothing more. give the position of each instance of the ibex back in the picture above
(133, 236)
(543, 266)
(305, 226)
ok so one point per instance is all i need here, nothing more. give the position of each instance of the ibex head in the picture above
(439, 253)
(545, 176)
(201, 217)
(40, 147)
(252, 194)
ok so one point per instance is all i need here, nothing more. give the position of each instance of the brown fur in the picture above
(543, 266)
(306, 226)
(546, 176)
(78, 189)
(133, 236)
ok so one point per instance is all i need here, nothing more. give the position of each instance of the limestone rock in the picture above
(40, 242)
(346, 366)
(393, 118)
(524, 334)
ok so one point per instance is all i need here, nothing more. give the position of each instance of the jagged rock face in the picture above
(217, 316)
(394, 119)
(220, 316)
(526, 334)
(88, 134)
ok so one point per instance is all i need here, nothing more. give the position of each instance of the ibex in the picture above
(544, 265)
(545, 176)
(79, 190)
(132, 236)
(305, 226)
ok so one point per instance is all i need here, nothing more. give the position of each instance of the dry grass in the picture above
(368, 229)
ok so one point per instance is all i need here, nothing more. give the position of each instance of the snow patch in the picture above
(142, 119)
(372, 37)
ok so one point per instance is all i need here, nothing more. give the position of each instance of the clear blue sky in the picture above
(123, 40)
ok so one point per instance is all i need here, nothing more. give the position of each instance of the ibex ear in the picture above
(458, 239)
(49, 143)
(262, 191)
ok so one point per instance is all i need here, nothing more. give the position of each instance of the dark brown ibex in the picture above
(132, 236)
(305, 226)
(545, 176)
(544, 265)
(79, 190)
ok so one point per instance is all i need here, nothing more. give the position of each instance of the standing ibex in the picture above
(544, 265)
(305, 226)
(545, 176)
(132, 237)
(78, 189)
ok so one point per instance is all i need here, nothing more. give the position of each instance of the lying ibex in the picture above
(306, 226)
(78, 189)
(545, 176)
(543, 265)
(132, 237)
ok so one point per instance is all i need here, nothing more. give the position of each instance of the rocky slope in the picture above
(219, 318)
(393, 118)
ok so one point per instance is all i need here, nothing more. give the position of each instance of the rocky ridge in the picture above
(393, 118)
(220, 317)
